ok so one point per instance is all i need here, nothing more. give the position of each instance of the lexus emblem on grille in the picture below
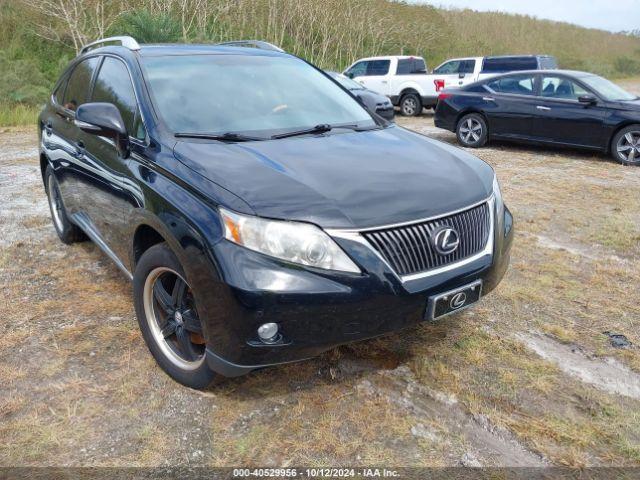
(445, 240)
(458, 300)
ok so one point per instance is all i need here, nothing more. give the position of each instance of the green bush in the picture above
(626, 66)
(147, 27)
(21, 81)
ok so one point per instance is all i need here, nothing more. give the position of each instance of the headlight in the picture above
(295, 242)
(497, 194)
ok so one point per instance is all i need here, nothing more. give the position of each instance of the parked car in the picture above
(406, 81)
(558, 107)
(262, 213)
(374, 101)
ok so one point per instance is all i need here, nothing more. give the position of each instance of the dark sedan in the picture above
(374, 101)
(556, 107)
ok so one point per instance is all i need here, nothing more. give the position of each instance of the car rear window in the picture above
(508, 64)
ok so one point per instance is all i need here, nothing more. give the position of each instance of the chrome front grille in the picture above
(410, 249)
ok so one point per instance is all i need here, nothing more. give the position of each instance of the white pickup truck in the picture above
(404, 79)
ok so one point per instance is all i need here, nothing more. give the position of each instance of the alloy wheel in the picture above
(628, 147)
(55, 202)
(173, 319)
(471, 130)
(409, 106)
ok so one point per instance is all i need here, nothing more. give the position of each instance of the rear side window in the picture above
(410, 66)
(113, 85)
(378, 67)
(514, 84)
(509, 64)
(78, 85)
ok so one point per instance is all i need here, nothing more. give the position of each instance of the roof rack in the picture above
(252, 43)
(125, 41)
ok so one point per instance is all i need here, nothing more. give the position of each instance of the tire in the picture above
(472, 131)
(168, 319)
(410, 105)
(67, 232)
(625, 146)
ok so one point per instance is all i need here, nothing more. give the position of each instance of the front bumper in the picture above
(317, 310)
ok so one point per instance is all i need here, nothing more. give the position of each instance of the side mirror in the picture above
(104, 119)
(348, 74)
(588, 99)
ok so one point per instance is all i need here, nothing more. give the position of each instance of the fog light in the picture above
(268, 332)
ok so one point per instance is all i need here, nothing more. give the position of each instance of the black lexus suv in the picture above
(263, 214)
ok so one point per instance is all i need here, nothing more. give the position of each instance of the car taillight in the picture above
(444, 96)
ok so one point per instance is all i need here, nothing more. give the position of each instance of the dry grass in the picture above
(77, 385)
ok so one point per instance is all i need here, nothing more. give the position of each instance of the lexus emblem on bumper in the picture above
(445, 240)
(458, 300)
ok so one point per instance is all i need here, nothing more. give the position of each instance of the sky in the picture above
(613, 15)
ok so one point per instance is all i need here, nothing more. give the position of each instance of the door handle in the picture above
(49, 128)
(488, 99)
(540, 107)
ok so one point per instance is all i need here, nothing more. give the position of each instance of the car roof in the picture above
(550, 71)
(389, 57)
(528, 55)
(151, 50)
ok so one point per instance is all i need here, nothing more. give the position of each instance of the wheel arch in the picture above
(616, 130)
(467, 111)
(144, 238)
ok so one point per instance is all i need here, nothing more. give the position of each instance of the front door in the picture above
(561, 118)
(106, 209)
(372, 74)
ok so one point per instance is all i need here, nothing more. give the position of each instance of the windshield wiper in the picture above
(223, 137)
(322, 128)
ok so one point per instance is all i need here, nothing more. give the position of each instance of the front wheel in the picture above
(410, 105)
(625, 146)
(168, 318)
(472, 131)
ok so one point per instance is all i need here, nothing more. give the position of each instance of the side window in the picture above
(509, 64)
(560, 87)
(448, 68)
(411, 66)
(113, 85)
(514, 84)
(59, 92)
(358, 70)
(468, 66)
(78, 85)
(378, 67)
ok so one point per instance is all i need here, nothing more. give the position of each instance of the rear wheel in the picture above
(625, 146)
(472, 130)
(168, 318)
(410, 105)
(67, 231)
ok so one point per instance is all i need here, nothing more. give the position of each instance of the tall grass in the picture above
(37, 38)
(18, 115)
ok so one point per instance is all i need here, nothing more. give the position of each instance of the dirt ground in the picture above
(533, 376)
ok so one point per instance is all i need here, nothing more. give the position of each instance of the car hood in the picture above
(344, 180)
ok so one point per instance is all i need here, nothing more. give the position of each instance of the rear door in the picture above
(561, 118)
(511, 105)
(61, 138)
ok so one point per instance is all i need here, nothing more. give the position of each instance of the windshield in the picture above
(247, 93)
(346, 82)
(607, 89)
